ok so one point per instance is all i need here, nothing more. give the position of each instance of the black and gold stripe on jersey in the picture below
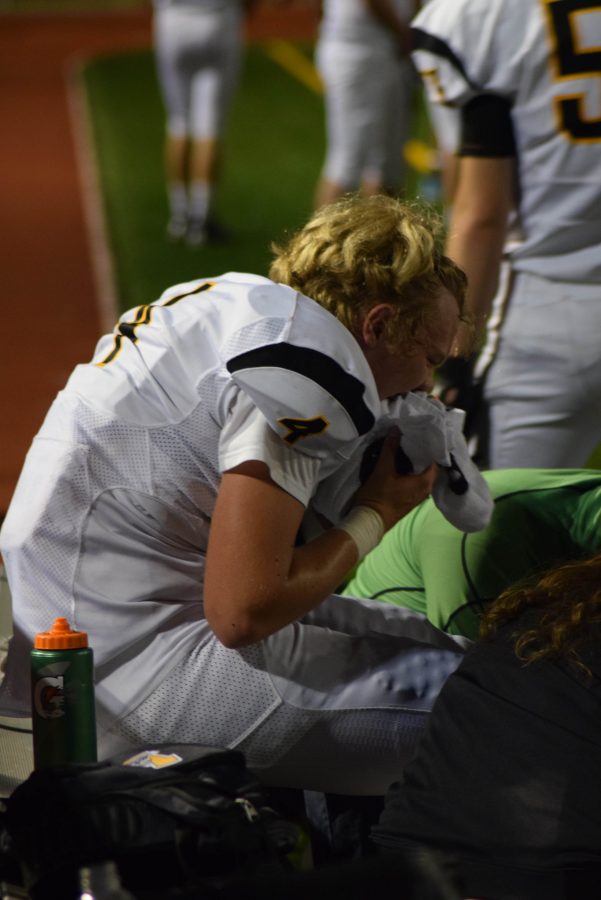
(142, 316)
(347, 390)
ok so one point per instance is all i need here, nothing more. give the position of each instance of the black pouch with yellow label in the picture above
(166, 814)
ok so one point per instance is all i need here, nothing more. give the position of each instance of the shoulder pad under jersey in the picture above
(313, 385)
(479, 47)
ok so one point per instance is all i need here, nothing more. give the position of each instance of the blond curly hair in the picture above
(565, 618)
(360, 251)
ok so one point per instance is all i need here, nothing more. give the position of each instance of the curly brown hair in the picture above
(360, 251)
(567, 602)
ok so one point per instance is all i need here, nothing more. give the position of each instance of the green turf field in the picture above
(273, 152)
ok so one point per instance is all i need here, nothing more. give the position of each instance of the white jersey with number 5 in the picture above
(544, 56)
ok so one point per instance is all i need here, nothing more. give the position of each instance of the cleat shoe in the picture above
(196, 233)
(177, 227)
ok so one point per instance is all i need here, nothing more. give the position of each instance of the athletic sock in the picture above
(178, 200)
(200, 197)
(178, 211)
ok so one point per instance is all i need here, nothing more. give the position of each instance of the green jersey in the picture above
(541, 517)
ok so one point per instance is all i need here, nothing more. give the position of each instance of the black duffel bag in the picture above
(167, 815)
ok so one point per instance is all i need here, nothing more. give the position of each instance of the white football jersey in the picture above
(543, 56)
(113, 507)
(301, 367)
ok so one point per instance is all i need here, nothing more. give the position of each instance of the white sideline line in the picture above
(93, 207)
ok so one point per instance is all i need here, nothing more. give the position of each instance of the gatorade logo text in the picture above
(49, 697)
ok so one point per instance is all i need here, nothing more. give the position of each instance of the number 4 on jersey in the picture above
(302, 428)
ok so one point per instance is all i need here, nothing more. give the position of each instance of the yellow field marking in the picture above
(420, 156)
(295, 63)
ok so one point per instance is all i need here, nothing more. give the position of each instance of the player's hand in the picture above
(391, 494)
(454, 385)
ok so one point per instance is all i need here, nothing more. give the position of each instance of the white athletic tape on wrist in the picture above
(365, 526)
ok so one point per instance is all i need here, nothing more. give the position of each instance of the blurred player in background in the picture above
(526, 78)
(362, 54)
(198, 45)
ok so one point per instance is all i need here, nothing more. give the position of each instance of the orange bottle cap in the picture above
(60, 637)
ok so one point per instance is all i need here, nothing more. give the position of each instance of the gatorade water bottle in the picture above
(62, 697)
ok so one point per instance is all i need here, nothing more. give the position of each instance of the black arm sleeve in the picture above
(487, 127)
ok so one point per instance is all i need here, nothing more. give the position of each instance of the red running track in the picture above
(49, 308)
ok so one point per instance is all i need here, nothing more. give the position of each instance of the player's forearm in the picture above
(252, 604)
(477, 234)
(477, 246)
(257, 581)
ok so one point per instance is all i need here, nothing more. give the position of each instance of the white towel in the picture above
(430, 432)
